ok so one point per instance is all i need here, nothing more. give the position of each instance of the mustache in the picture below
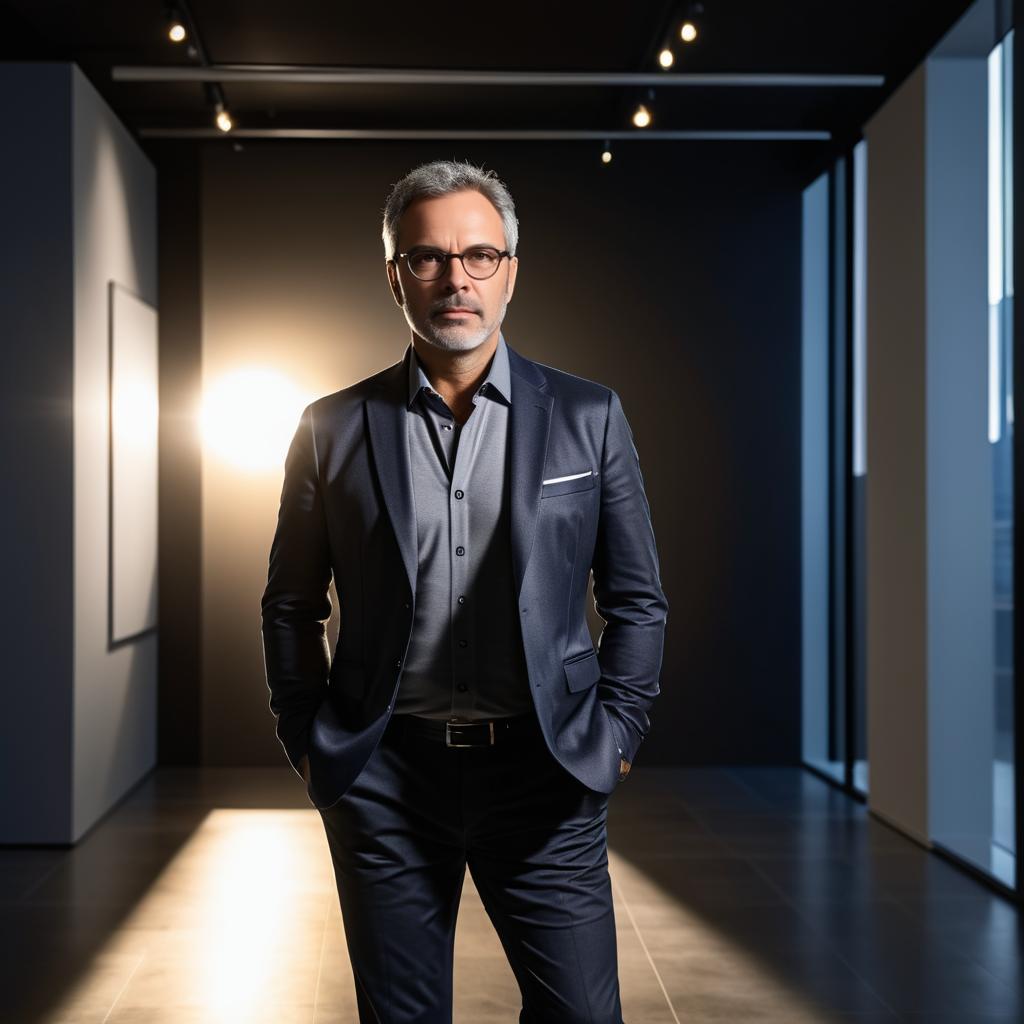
(453, 305)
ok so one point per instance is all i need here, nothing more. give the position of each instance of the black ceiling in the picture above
(797, 36)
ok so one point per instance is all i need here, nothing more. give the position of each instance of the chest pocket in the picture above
(568, 483)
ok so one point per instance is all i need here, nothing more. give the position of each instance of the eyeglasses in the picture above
(479, 262)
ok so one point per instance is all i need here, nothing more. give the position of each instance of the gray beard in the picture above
(454, 339)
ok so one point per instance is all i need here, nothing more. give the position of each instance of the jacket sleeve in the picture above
(627, 588)
(296, 603)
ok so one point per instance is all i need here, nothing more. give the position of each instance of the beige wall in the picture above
(896, 457)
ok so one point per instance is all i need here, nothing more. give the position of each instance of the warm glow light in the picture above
(665, 58)
(224, 121)
(688, 32)
(176, 33)
(135, 413)
(238, 925)
(606, 156)
(641, 116)
(248, 418)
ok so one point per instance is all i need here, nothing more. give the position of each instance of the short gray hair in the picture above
(439, 178)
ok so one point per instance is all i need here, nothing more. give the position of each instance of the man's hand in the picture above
(624, 767)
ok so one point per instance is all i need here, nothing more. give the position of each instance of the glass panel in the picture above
(1000, 225)
(821, 742)
(971, 674)
(858, 481)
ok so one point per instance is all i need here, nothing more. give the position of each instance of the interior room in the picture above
(384, 646)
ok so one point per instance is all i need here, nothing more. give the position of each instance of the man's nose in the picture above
(455, 273)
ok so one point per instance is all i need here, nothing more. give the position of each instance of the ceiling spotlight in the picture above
(176, 31)
(688, 30)
(606, 155)
(215, 97)
(641, 116)
(666, 58)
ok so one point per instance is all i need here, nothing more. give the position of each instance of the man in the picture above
(461, 498)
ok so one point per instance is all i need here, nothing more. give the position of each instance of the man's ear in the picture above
(396, 285)
(513, 269)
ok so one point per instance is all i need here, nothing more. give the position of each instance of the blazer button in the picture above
(398, 664)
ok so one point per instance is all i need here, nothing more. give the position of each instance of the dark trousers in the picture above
(535, 841)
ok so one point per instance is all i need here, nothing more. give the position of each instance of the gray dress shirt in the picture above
(465, 657)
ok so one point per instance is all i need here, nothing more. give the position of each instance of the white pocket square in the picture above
(571, 476)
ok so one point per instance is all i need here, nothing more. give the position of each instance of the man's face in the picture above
(453, 223)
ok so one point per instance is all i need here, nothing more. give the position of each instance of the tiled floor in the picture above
(744, 894)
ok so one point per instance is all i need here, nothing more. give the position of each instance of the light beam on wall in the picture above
(248, 417)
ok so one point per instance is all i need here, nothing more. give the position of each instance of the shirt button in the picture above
(459, 494)
(462, 600)
(462, 687)
(460, 550)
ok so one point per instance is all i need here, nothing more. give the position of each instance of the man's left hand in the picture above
(623, 768)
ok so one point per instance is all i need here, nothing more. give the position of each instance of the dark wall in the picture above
(180, 297)
(671, 275)
(37, 314)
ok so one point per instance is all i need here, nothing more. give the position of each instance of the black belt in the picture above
(452, 732)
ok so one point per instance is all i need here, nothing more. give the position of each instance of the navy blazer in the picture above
(347, 509)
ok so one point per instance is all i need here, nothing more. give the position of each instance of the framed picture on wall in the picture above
(134, 419)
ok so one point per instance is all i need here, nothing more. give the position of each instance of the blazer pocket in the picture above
(582, 671)
(568, 483)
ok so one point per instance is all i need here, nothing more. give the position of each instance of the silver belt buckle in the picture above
(448, 734)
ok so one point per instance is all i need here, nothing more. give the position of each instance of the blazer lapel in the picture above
(528, 429)
(386, 421)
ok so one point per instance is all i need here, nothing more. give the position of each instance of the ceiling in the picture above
(859, 37)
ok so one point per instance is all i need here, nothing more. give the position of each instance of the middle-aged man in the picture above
(461, 498)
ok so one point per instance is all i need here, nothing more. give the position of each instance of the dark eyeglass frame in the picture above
(447, 256)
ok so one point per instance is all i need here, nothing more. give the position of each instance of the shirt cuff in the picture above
(626, 738)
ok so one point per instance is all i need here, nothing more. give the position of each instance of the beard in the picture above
(451, 336)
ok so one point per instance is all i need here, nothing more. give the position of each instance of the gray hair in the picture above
(439, 178)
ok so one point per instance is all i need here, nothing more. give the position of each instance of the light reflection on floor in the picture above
(243, 925)
(741, 894)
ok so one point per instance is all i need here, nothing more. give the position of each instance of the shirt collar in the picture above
(498, 376)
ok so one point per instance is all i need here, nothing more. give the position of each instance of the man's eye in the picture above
(427, 258)
(481, 256)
